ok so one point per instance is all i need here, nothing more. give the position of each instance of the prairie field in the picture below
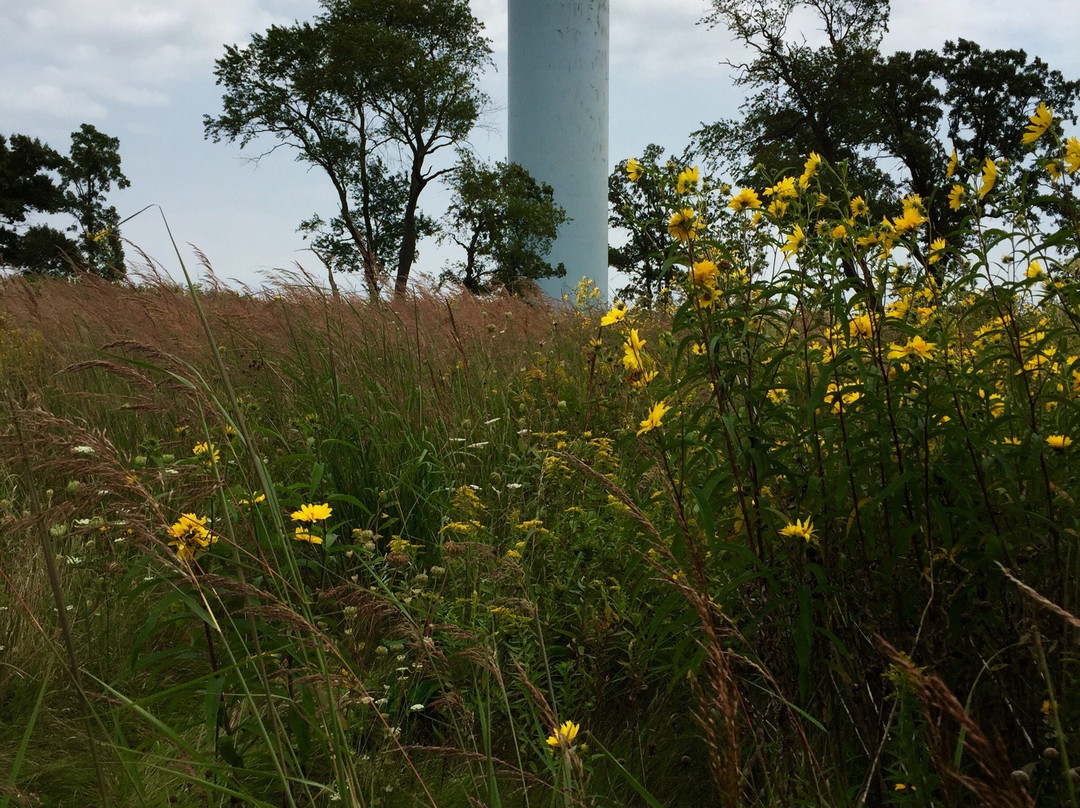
(804, 532)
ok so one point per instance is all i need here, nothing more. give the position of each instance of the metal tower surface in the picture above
(558, 123)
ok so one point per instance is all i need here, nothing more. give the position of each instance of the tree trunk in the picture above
(407, 251)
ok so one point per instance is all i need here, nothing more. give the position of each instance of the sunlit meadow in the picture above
(803, 534)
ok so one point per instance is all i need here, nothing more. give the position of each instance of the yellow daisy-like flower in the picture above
(304, 535)
(859, 207)
(746, 199)
(1072, 155)
(1040, 122)
(810, 168)
(937, 247)
(956, 197)
(658, 411)
(861, 326)
(951, 168)
(687, 180)
(616, 315)
(207, 452)
(794, 242)
(634, 170)
(989, 177)
(190, 536)
(840, 232)
(799, 530)
(917, 346)
(563, 735)
(632, 351)
(785, 189)
(312, 513)
(704, 273)
(777, 208)
(1058, 441)
(684, 225)
(1034, 271)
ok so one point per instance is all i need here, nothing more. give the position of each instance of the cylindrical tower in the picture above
(558, 128)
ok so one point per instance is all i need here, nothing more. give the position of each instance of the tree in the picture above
(35, 180)
(369, 83)
(505, 221)
(88, 173)
(894, 120)
(384, 223)
(639, 206)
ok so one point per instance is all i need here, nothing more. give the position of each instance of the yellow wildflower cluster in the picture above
(190, 536)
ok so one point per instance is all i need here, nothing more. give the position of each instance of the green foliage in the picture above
(505, 221)
(368, 92)
(36, 180)
(851, 104)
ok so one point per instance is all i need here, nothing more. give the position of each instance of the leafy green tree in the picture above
(28, 186)
(368, 80)
(88, 174)
(893, 120)
(384, 223)
(36, 180)
(639, 206)
(505, 221)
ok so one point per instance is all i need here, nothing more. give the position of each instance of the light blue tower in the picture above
(558, 127)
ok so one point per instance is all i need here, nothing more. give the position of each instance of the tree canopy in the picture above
(37, 181)
(368, 92)
(505, 221)
(894, 120)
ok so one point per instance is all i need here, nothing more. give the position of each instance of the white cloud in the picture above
(108, 52)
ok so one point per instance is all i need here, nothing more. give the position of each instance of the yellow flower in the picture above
(1072, 154)
(632, 351)
(840, 232)
(206, 452)
(917, 346)
(687, 181)
(799, 530)
(304, 535)
(704, 273)
(655, 415)
(684, 225)
(937, 247)
(1010, 441)
(785, 189)
(1058, 441)
(616, 315)
(794, 242)
(951, 168)
(859, 207)
(563, 735)
(861, 326)
(777, 208)
(910, 219)
(255, 499)
(1040, 122)
(956, 197)
(989, 177)
(810, 168)
(1034, 271)
(312, 513)
(190, 536)
(746, 199)
(633, 170)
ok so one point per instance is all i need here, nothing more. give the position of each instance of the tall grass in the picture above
(808, 536)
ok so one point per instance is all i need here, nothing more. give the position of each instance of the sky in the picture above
(142, 71)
